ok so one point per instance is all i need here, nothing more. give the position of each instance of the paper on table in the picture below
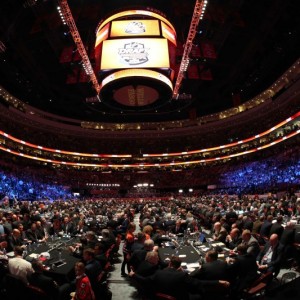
(10, 254)
(204, 249)
(182, 255)
(190, 270)
(193, 265)
(34, 255)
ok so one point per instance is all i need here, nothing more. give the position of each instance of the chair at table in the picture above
(259, 286)
(35, 293)
(102, 289)
(110, 252)
(15, 288)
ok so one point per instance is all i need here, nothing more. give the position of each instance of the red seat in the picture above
(258, 286)
(35, 293)
(164, 296)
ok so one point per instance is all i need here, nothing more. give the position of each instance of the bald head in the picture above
(273, 240)
(16, 232)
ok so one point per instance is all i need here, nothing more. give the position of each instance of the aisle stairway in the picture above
(120, 287)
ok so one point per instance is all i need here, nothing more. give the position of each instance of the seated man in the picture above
(174, 282)
(242, 269)
(67, 225)
(34, 235)
(251, 243)
(219, 233)
(19, 266)
(150, 265)
(15, 240)
(139, 255)
(213, 269)
(38, 279)
(92, 266)
(233, 239)
(270, 258)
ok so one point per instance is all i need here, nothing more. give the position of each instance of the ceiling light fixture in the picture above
(197, 15)
(67, 19)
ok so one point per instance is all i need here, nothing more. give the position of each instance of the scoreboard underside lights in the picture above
(134, 59)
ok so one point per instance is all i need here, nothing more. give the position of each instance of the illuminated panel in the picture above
(134, 12)
(60, 151)
(227, 145)
(135, 28)
(135, 53)
(145, 165)
(102, 35)
(168, 33)
(136, 73)
(150, 74)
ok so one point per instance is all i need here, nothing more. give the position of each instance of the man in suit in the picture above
(150, 265)
(174, 282)
(38, 279)
(178, 228)
(266, 227)
(219, 233)
(213, 269)
(257, 224)
(15, 240)
(287, 240)
(139, 242)
(251, 243)
(92, 266)
(32, 234)
(242, 269)
(233, 238)
(2, 233)
(277, 227)
(67, 226)
(270, 258)
(139, 255)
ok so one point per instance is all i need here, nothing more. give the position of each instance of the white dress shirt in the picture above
(20, 267)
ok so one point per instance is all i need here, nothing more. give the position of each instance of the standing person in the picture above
(128, 242)
(84, 289)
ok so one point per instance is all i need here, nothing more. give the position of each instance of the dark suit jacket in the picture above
(243, 271)
(45, 283)
(234, 243)
(93, 269)
(173, 282)
(265, 229)
(288, 236)
(32, 236)
(137, 257)
(12, 242)
(68, 228)
(178, 230)
(146, 269)
(276, 260)
(215, 270)
(276, 228)
(257, 226)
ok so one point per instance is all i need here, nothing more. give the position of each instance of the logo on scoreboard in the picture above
(134, 53)
(135, 28)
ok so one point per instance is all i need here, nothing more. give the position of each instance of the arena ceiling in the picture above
(251, 43)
